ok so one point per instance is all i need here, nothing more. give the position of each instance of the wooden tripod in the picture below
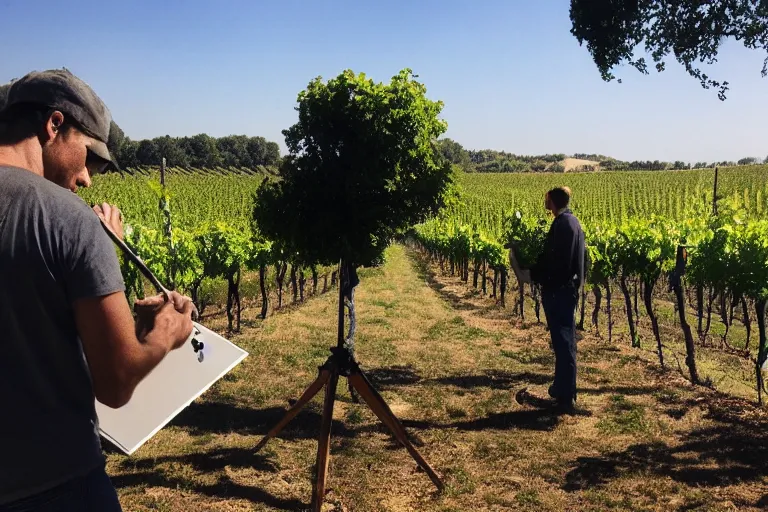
(342, 363)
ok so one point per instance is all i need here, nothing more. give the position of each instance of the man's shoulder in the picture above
(571, 218)
(37, 192)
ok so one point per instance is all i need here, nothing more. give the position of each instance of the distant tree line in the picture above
(488, 160)
(200, 151)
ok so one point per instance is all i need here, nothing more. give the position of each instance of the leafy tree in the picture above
(271, 154)
(691, 30)
(116, 138)
(234, 151)
(170, 149)
(148, 153)
(127, 154)
(556, 167)
(363, 167)
(750, 160)
(263, 152)
(202, 151)
(455, 153)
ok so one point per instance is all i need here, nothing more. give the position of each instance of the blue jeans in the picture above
(560, 311)
(91, 493)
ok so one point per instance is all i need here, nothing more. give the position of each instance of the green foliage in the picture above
(363, 167)
(646, 248)
(222, 249)
(690, 29)
(527, 235)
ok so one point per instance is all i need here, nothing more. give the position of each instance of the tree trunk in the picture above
(637, 312)
(237, 297)
(580, 325)
(710, 300)
(198, 301)
(724, 316)
(453, 267)
(282, 268)
(503, 286)
(466, 270)
(475, 274)
(690, 347)
(521, 299)
(761, 351)
(648, 299)
(747, 322)
(302, 284)
(233, 300)
(294, 284)
(700, 310)
(485, 275)
(263, 287)
(334, 277)
(325, 282)
(628, 302)
(495, 281)
(314, 280)
(596, 312)
(608, 296)
(536, 301)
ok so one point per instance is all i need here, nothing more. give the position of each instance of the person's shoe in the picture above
(569, 408)
(566, 406)
(551, 391)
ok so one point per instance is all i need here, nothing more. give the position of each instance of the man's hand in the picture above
(112, 216)
(171, 318)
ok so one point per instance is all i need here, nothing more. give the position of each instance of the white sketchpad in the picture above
(175, 383)
(519, 272)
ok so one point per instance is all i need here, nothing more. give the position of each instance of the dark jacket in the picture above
(561, 263)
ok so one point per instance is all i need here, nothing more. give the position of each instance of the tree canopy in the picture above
(201, 151)
(692, 30)
(363, 167)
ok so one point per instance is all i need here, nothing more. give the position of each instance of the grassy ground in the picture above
(453, 367)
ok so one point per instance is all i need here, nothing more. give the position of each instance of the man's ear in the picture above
(53, 126)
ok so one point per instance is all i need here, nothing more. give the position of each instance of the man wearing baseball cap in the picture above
(68, 334)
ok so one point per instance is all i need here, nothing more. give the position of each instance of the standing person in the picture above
(560, 272)
(69, 336)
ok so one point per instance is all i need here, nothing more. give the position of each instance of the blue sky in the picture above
(510, 73)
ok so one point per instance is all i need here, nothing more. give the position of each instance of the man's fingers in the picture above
(155, 300)
(188, 308)
(179, 300)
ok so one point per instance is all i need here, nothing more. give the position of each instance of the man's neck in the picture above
(24, 155)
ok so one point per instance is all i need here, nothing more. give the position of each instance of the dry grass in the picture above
(451, 364)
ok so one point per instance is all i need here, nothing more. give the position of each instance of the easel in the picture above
(342, 363)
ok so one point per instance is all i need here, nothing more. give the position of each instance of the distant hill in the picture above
(578, 165)
(489, 160)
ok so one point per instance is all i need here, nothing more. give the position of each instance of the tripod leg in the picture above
(324, 445)
(308, 394)
(377, 404)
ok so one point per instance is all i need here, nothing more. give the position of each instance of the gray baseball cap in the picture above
(61, 90)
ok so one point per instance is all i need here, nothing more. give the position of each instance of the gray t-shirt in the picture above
(53, 251)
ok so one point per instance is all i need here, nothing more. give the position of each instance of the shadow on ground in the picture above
(224, 489)
(727, 453)
(398, 376)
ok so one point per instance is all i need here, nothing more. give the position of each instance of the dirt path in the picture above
(450, 363)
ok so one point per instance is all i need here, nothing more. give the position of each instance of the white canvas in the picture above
(177, 381)
(522, 275)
